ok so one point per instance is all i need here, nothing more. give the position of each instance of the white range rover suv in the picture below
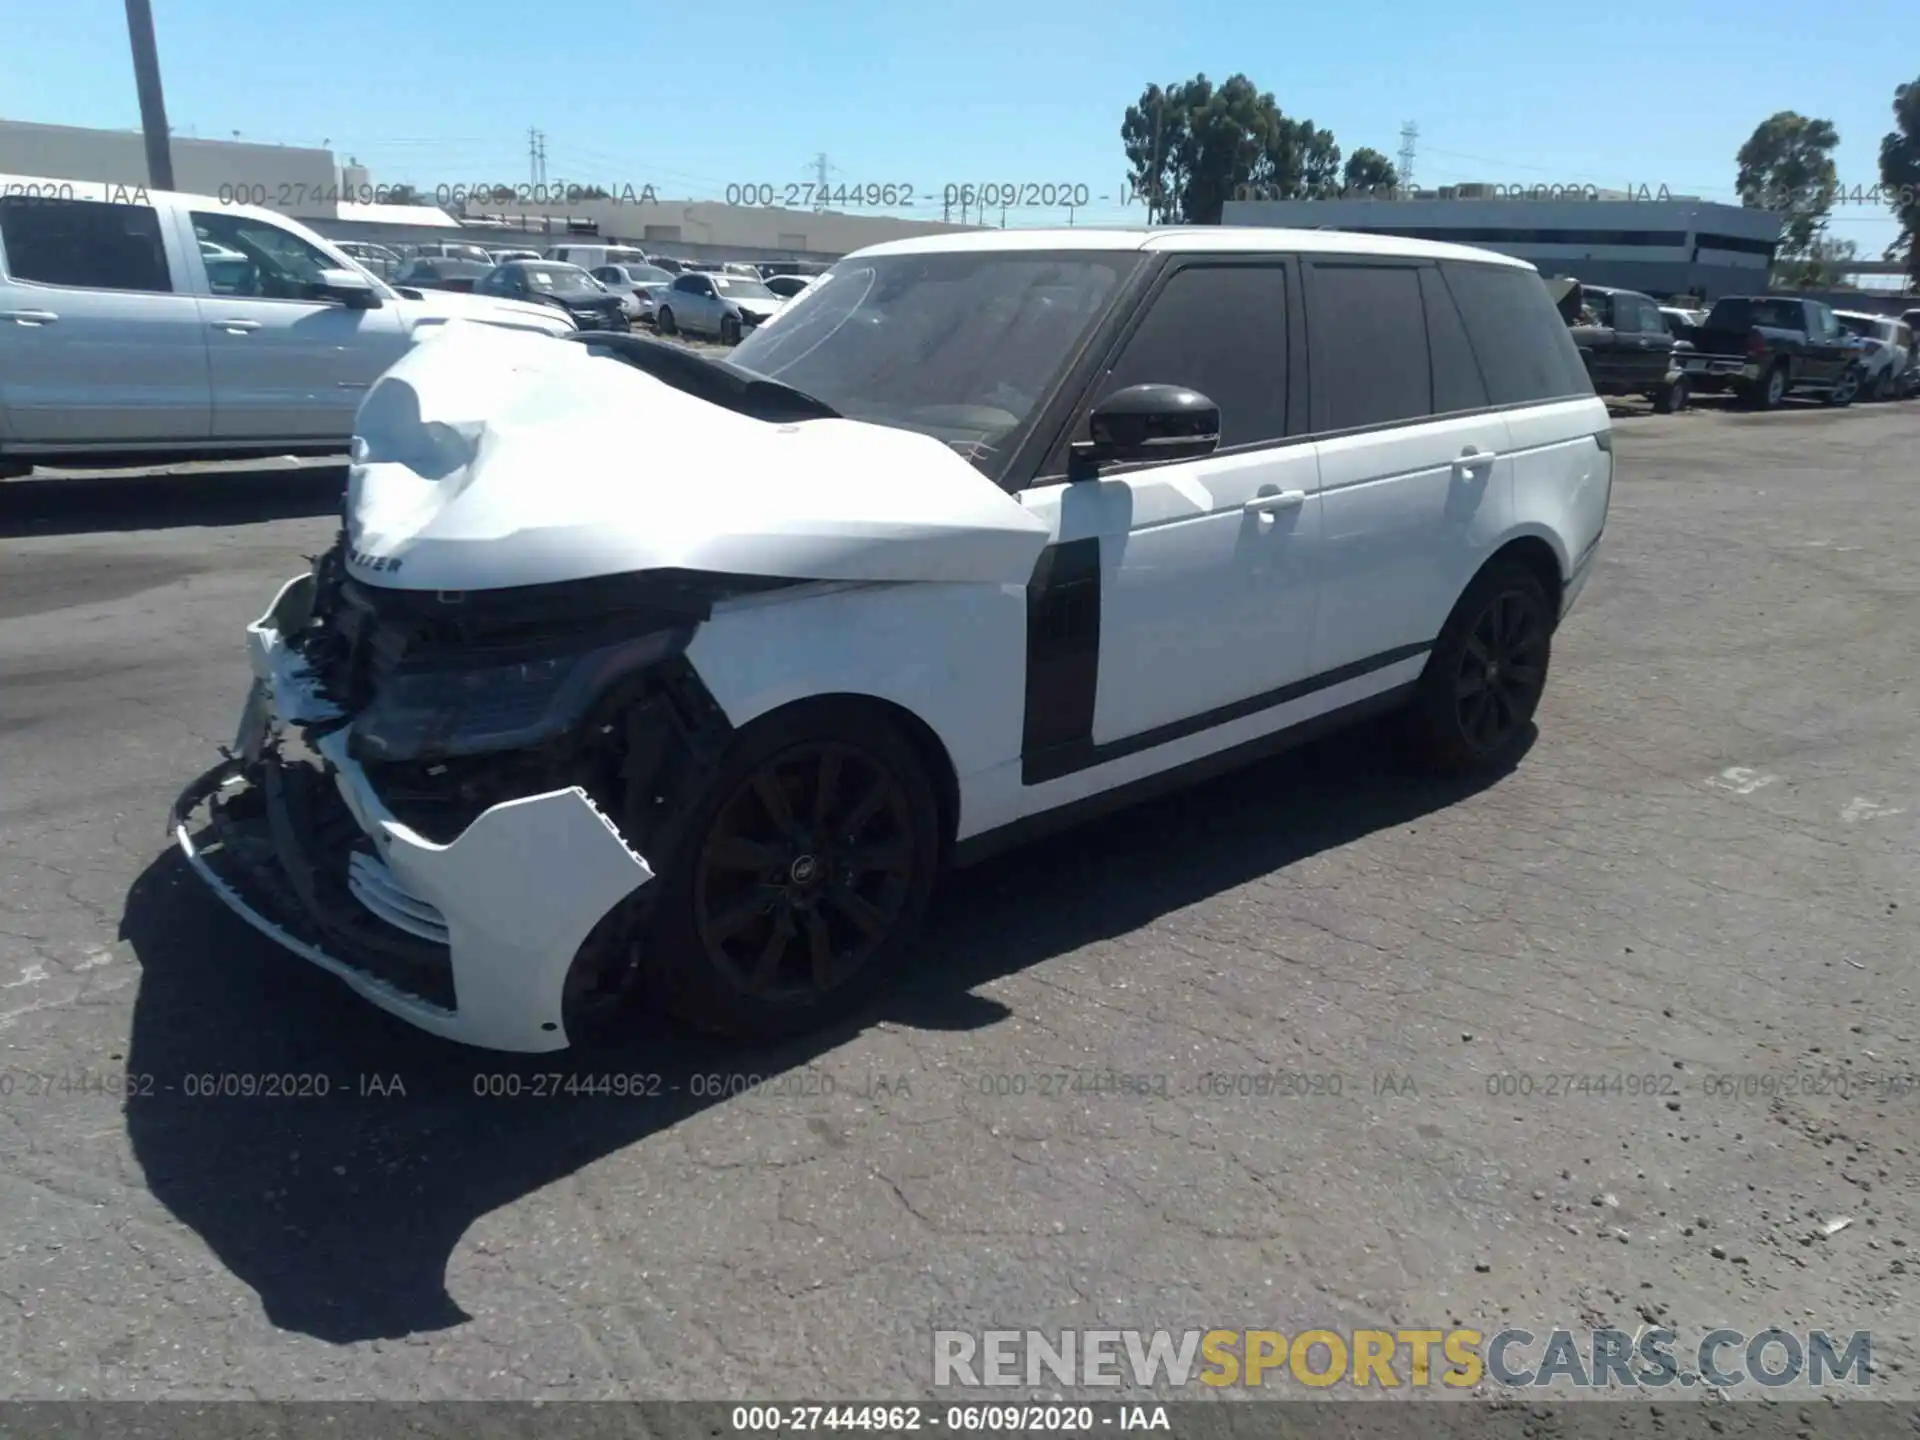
(980, 535)
(142, 326)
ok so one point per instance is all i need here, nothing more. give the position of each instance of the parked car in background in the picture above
(591, 305)
(1680, 319)
(1626, 345)
(501, 257)
(380, 259)
(1003, 535)
(1886, 352)
(726, 307)
(430, 272)
(448, 250)
(185, 327)
(588, 257)
(1767, 347)
(788, 286)
(667, 263)
(643, 282)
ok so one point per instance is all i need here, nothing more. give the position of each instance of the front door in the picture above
(99, 343)
(1178, 599)
(1646, 350)
(285, 366)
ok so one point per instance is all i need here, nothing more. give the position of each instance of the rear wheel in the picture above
(1771, 390)
(1884, 388)
(730, 330)
(1487, 672)
(802, 879)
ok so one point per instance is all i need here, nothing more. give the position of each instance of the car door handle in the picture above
(29, 317)
(237, 327)
(1274, 504)
(1472, 461)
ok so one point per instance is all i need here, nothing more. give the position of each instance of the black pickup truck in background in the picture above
(1627, 347)
(1767, 347)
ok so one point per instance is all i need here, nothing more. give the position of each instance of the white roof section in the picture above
(1192, 239)
(429, 217)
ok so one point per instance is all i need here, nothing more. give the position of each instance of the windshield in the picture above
(649, 275)
(961, 346)
(738, 287)
(561, 280)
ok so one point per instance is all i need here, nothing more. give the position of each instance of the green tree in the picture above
(1369, 172)
(1821, 268)
(1191, 147)
(1787, 165)
(1900, 174)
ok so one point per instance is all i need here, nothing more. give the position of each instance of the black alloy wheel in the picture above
(730, 330)
(805, 873)
(1502, 671)
(800, 878)
(1484, 680)
(663, 321)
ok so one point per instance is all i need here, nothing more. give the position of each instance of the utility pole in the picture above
(821, 169)
(533, 156)
(1409, 133)
(1153, 175)
(543, 159)
(153, 105)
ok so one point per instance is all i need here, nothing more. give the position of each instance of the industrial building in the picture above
(1665, 246)
(312, 186)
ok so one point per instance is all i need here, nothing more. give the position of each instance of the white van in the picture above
(1014, 526)
(592, 257)
(143, 327)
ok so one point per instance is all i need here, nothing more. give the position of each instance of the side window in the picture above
(1652, 322)
(684, 284)
(1600, 304)
(1524, 348)
(1221, 330)
(84, 244)
(1457, 382)
(1367, 345)
(248, 257)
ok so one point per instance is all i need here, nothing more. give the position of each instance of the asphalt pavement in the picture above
(1549, 1048)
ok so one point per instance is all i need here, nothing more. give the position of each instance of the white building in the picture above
(1661, 247)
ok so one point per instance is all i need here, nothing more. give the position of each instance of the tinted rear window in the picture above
(84, 244)
(1367, 346)
(1525, 350)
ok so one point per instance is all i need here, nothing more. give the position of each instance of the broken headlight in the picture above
(502, 704)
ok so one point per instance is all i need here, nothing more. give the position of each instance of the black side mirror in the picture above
(1146, 422)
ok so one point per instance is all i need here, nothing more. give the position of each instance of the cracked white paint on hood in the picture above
(487, 458)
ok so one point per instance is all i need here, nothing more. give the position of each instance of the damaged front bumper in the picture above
(472, 940)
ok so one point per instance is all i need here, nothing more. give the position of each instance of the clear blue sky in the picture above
(692, 97)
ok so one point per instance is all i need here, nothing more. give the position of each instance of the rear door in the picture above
(285, 365)
(1415, 475)
(1646, 349)
(99, 342)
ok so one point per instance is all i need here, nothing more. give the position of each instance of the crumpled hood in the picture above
(443, 307)
(487, 458)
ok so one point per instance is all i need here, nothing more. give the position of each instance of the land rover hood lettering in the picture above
(491, 459)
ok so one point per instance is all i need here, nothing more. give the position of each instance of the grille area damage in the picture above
(484, 897)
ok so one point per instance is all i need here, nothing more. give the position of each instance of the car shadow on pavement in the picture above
(340, 1190)
(111, 501)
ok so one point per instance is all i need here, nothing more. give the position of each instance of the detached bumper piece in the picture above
(471, 940)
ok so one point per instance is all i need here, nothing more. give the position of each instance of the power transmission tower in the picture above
(1409, 133)
(821, 170)
(543, 158)
(533, 155)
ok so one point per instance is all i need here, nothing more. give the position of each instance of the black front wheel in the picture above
(801, 880)
(730, 330)
(1672, 399)
(1842, 394)
(663, 322)
(1487, 672)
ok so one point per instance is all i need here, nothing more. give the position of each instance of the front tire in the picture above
(802, 879)
(729, 330)
(1488, 670)
(1672, 399)
(1842, 395)
(663, 322)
